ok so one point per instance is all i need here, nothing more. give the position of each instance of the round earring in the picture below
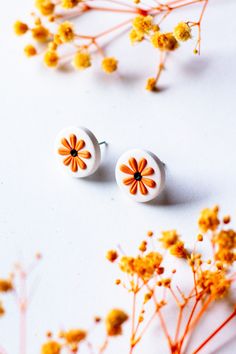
(78, 151)
(140, 174)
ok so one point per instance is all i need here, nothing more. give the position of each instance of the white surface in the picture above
(190, 125)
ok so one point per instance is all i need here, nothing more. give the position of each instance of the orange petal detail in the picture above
(148, 171)
(128, 181)
(133, 164)
(126, 169)
(67, 160)
(134, 187)
(142, 188)
(81, 163)
(80, 144)
(65, 142)
(149, 182)
(142, 164)
(74, 166)
(85, 154)
(73, 140)
(63, 152)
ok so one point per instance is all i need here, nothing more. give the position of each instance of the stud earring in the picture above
(78, 151)
(140, 174)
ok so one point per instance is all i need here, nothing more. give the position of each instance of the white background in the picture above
(190, 125)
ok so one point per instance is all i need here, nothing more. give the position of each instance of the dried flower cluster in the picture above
(153, 282)
(55, 26)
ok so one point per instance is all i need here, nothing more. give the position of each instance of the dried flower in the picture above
(82, 60)
(51, 59)
(74, 336)
(20, 28)
(51, 347)
(6, 285)
(114, 321)
(69, 4)
(169, 238)
(164, 41)
(46, 7)
(30, 50)
(109, 65)
(143, 24)
(208, 220)
(112, 255)
(66, 32)
(182, 32)
(135, 36)
(40, 33)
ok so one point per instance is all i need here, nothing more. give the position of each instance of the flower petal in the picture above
(142, 164)
(81, 163)
(80, 144)
(73, 140)
(134, 187)
(67, 160)
(128, 181)
(85, 154)
(74, 165)
(142, 188)
(148, 171)
(126, 169)
(149, 182)
(65, 142)
(133, 164)
(63, 152)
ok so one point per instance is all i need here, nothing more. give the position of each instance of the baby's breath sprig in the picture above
(151, 280)
(55, 26)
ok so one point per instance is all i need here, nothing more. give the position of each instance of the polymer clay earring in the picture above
(78, 151)
(140, 174)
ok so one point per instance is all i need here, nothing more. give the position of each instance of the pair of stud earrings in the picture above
(140, 174)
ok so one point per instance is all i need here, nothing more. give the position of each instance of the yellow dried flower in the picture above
(2, 310)
(30, 50)
(112, 255)
(182, 32)
(51, 58)
(169, 238)
(52, 46)
(143, 24)
(150, 233)
(57, 40)
(74, 336)
(114, 321)
(208, 220)
(200, 238)
(20, 28)
(135, 36)
(225, 256)
(82, 60)
(225, 239)
(143, 266)
(143, 246)
(109, 65)
(164, 41)
(226, 219)
(40, 33)
(51, 347)
(178, 250)
(66, 32)
(213, 282)
(151, 84)
(6, 285)
(46, 7)
(69, 4)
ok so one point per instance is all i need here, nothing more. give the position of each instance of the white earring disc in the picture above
(78, 151)
(140, 175)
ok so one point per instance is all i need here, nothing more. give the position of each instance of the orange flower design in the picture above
(75, 154)
(139, 171)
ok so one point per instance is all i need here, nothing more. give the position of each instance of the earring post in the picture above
(102, 142)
